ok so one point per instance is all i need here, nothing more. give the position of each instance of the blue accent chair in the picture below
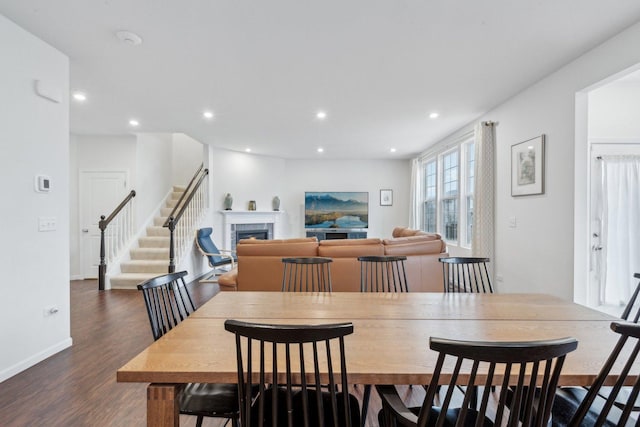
(217, 257)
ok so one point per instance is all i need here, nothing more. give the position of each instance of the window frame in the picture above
(444, 198)
(465, 148)
(426, 196)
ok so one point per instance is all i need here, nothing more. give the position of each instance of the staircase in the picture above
(151, 257)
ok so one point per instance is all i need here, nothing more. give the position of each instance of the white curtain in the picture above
(484, 194)
(415, 208)
(621, 223)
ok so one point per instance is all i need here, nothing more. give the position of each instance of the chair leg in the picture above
(199, 421)
(365, 404)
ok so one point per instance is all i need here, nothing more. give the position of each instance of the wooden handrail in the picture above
(174, 218)
(186, 192)
(102, 225)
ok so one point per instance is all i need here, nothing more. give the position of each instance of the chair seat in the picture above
(567, 401)
(298, 420)
(450, 419)
(210, 400)
(221, 261)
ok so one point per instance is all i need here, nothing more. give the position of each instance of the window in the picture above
(448, 198)
(430, 197)
(449, 201)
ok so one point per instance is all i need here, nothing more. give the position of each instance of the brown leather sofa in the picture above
(260, 261)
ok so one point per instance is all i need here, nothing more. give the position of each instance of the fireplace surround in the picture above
(243, 221)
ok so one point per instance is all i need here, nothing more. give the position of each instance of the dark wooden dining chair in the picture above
(579, 406)
(631, 311)
(168, 303)
(465, 274)
(291, 365)
(306, 274)
(380, 274)
(383, 274)
(516, 367)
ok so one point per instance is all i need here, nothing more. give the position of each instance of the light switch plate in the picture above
(47, 223)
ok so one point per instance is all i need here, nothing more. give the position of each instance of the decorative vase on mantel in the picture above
(228, 201)
(252, 205)
(276, 203)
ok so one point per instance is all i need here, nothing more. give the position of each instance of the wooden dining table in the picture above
(390, 343)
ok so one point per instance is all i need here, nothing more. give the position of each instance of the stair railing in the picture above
(119, 235)
(186, 215)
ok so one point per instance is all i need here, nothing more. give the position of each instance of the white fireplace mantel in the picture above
(230, 218)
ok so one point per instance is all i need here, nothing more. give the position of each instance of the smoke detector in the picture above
(128, 37)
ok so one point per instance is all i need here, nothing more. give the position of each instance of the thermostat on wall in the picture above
(43, 183)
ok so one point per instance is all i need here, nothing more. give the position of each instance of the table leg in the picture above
(162, 405)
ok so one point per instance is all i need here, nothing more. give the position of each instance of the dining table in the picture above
(390, 343)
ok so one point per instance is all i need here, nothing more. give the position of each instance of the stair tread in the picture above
(130, 280)
(147, 261)
(151, 246)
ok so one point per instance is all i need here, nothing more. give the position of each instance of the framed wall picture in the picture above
(527, 167)
(386, 197)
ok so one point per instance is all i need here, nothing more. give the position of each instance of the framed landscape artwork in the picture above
(527, 167)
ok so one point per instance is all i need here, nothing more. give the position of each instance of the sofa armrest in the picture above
(424, 247)
(229, 280)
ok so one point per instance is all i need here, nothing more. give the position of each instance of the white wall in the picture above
(538, 255)
(250, 177)
(187, 156)
(246, 177)
(614, 112)
(153, 177)
(350, 175)
(34, 140)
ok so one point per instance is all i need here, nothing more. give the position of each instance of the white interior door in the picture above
(100, 193)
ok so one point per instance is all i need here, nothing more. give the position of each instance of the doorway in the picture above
(607, 138)
(100, 192)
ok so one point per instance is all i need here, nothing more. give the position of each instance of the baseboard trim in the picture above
(35, 359)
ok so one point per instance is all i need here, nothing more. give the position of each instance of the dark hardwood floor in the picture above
(77, 387)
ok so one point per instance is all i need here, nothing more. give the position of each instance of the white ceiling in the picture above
(378, 68)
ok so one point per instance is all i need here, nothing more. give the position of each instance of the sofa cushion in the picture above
(350, 242)
(268, 242)
(283, 248)
(411, 239)
(350, 248)
(417, 248)
(406, 232)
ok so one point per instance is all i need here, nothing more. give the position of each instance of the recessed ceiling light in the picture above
(321, 115)
(129, 37)
(79, 96)
(134, 122)
(434, 115)
(393, 150)
(208, 115)
(248, 150)
(320, 150)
